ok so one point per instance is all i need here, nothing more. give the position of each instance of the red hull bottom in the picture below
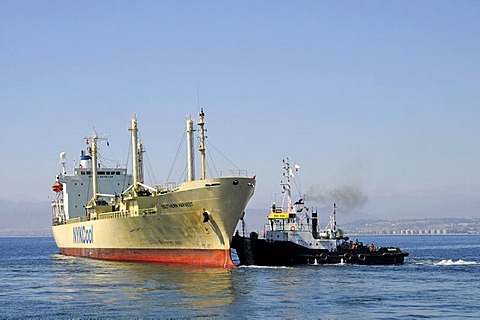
(208, 258)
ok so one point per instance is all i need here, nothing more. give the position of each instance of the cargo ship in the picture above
(292, 237)
(108, 213)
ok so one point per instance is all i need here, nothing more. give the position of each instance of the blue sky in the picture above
(382, 95)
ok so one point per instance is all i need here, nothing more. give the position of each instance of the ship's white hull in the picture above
(193, 225)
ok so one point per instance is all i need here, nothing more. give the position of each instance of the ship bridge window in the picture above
(101, 173)
(82, 172)
(117, 173)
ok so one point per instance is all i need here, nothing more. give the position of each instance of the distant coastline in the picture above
(429, 226)
(420, 226)
(6, 233)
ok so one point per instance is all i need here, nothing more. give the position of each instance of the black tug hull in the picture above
(252, 251)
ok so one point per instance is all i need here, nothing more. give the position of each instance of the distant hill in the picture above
(424, 206)
(255, 219)
(460, 203)
(25, 218)
(30, 218)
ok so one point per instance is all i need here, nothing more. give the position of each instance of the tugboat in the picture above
(292, 237)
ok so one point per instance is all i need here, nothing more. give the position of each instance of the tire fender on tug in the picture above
(347, 256)
(362, 257)
(323, 256)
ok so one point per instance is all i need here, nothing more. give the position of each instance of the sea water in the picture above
(440, 279)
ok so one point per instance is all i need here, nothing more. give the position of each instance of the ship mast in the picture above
(190, 154)
(333, 219)
(137, 161)
(332, 223)
(135, 158)
(201, 148)
(93, 150)
(94, 167)
(286, 186)
(141, 150)
(63, 162)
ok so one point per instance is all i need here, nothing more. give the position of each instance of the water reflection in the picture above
(140, 285)
(36, 283)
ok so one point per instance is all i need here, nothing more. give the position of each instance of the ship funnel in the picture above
(85, 160)
(315, 224)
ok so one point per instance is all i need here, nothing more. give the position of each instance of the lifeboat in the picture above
(57, 186)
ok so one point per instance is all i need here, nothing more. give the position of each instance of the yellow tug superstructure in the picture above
(107, 213)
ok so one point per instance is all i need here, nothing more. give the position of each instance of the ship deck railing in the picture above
(125, 214)
(113, 215)
(233, 173)
(167, 187)
(278, 226)
(76, 220)
(110, 215)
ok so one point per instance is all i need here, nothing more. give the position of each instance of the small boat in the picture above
(292, 237)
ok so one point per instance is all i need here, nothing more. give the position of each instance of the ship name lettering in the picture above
(177, 205)
(83, 235)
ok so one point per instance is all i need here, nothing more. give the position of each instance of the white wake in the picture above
(460, 262)
(264, 267)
